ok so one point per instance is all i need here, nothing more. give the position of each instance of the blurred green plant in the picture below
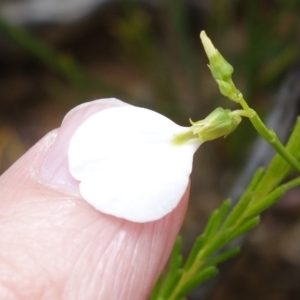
(225, 225)
(62, 63)
(155, 50)
(228, 223)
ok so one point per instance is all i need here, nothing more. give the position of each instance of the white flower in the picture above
(128, 163)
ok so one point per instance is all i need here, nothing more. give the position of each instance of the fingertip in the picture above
(84, 110)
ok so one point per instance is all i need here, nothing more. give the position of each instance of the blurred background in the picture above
(56, 54)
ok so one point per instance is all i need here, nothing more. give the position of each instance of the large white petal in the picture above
(128, 166)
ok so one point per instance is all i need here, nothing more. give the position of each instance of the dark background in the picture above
(148, 53)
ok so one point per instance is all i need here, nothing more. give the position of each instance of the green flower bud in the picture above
(220, 122)
(220, 68)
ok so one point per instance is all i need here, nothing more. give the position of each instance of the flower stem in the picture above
(222, 72)
(269, 135)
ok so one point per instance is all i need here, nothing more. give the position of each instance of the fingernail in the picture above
(55, 169)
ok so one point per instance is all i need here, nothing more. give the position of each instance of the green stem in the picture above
(201, 259)
(269, 135)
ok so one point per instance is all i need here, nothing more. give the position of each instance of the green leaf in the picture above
(156, 290)
(224, 256)
(200, 241)
(170, 284)
(279, 168)
(216, 219)
(212, 226)
(243, 203)
(175, 270)
(214, 245)
(272, 198)
(197, 279)
(176, 258)
(243, 228)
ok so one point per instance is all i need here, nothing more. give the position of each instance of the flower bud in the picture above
(220, 68)
(220, 122)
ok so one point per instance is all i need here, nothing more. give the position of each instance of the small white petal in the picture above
(209, 48)
(127, 165)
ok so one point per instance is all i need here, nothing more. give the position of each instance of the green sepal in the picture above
(220, 122)
(220, 68)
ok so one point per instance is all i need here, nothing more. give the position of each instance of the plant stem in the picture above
(269, 135)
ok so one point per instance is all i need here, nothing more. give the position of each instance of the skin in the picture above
(54, 245)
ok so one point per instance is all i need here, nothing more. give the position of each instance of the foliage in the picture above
(225, 225)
